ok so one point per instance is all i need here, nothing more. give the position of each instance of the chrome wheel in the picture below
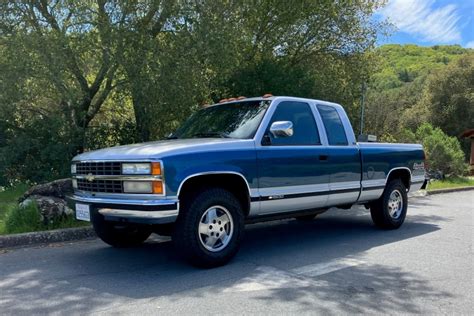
(216, 228)
(395, 204)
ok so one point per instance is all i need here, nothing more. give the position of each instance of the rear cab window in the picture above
(333, 125)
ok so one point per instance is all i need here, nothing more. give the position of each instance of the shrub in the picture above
(28, 219)
(443, 152)
(20, 220)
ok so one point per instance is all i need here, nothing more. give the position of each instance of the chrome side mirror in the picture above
(281, 129)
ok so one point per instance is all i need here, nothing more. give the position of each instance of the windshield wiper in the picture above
(212, 134)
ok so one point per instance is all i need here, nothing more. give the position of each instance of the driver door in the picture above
(292, 169)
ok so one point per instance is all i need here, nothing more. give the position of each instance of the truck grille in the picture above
(102, 186)
(106, 168)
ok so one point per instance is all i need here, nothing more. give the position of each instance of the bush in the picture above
(28, 219)
(21, 220)
(443, 152)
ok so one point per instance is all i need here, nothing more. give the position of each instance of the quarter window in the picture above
(333, 125)
(305, 131)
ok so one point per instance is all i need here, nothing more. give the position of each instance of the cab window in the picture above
(333, 125)
(305, 131)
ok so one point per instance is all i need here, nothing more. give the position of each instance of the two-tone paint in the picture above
(278, 178)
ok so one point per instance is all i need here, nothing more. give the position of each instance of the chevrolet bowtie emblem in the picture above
(90, 177)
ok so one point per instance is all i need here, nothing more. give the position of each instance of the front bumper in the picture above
(149, 211)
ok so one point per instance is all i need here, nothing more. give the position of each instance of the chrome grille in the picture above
(105, 168)
(102, 186)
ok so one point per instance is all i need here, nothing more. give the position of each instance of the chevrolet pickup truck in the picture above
(241, 161)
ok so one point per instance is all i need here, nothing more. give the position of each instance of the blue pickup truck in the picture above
(241, 161)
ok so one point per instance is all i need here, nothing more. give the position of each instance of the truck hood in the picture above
(159, 149)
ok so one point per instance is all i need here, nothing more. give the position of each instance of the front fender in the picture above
(178, 169)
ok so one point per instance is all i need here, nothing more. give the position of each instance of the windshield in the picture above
(234, 120)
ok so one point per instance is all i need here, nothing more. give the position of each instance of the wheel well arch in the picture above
(402, 173)
(232, 181)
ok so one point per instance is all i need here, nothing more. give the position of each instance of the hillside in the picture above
(414, 84)
(400, 64)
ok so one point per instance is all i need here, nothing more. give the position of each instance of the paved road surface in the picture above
(337, 264)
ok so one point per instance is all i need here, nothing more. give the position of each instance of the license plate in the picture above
(83, 212)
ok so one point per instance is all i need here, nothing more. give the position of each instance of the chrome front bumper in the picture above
(147, 211)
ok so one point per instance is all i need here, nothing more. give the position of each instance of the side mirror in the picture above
(281, 129)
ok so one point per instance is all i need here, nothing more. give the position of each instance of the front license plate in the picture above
(83, 212)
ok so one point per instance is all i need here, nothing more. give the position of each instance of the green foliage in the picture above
(414, 84)
(443, 152)
(451, 182)
(448, 99)
(11, 194)
(21, 220)
(27, 219)
(401, 64)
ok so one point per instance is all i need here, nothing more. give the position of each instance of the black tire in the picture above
(382, 216)
(189, 242)
(118, 234)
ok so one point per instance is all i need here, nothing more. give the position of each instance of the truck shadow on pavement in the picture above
(90, 276)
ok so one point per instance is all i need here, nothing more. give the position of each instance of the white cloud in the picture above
(419, 18)
(469, 44)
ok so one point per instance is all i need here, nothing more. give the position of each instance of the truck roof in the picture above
(271, 98)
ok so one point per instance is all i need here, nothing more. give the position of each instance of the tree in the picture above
(74, 62)
(449, 97)
(443, 152)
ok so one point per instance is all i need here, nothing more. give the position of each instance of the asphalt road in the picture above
(337, 264)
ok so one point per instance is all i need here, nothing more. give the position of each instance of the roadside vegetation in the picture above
(15, 219)
(452, 182)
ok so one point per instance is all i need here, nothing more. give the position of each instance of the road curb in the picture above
(45, 237)
(449, 190)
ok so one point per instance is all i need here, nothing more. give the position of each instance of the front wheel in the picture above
(390, 210)
(209, 229)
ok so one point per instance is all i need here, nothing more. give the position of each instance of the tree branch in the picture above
(100, 99)
(71, 61)
(168, 6)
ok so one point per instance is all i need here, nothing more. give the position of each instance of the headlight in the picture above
(153, 168)
(155, 187)
(136, 168)
(73, 168)
(74, 183)
(137, 187)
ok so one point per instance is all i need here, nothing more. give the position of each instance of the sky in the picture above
(430, 22)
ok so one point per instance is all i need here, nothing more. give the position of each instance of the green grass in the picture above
(453, 182)
(14, 219)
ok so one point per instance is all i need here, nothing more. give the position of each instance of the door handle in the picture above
(323, 157)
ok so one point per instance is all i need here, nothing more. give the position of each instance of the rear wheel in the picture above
(390, 210)
(210, 227)
(118, 234)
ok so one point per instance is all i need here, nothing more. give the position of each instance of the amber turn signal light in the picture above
(156, 168)
(157, 187)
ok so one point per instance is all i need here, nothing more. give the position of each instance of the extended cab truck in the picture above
(242, 161)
